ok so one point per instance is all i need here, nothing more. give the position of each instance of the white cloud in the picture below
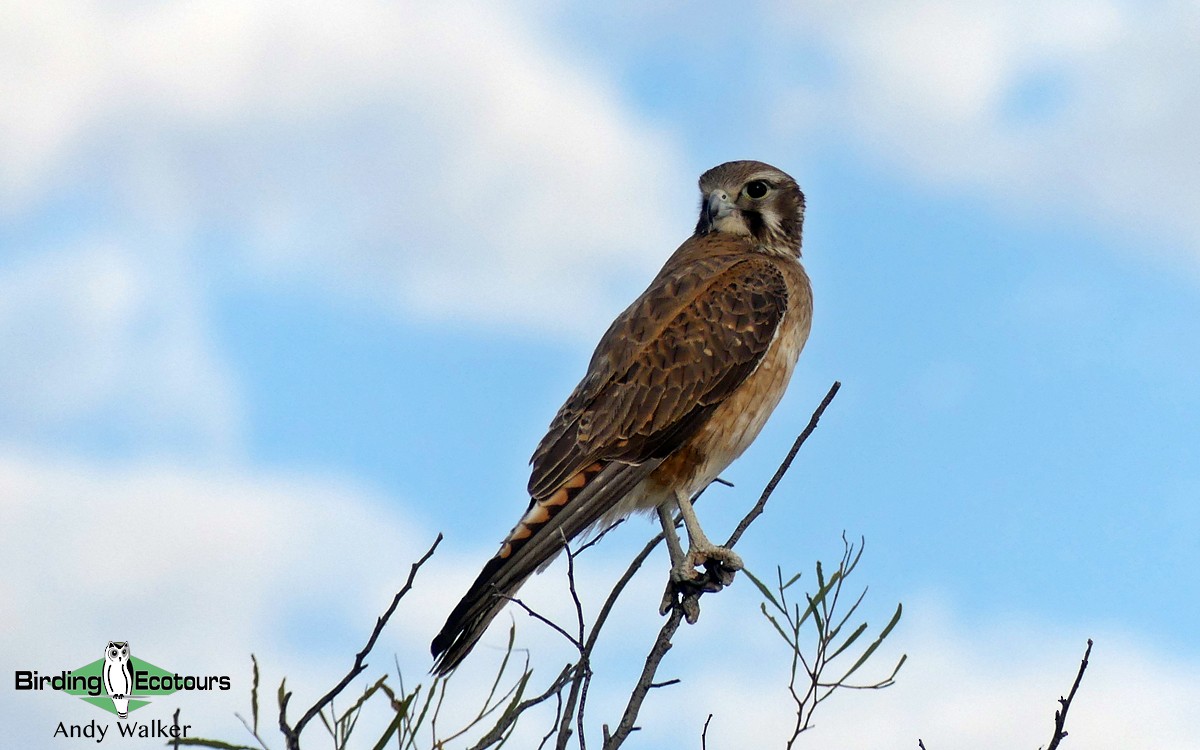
(444, 159)
(1078, 106)
(98, 333)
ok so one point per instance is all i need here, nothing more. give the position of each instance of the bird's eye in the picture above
(757, 189)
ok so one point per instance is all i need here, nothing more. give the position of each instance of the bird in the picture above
(118, 678)
(678, 387)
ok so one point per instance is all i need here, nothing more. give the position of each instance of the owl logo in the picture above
(118, 676)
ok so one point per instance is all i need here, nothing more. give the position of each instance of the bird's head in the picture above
(753, 199)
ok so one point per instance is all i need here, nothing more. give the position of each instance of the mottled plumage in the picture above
(679, 385)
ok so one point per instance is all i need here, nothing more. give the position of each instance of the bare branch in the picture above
(1060, 716)
(583, 678)
(292, 734)
(542, 618)
(662, 645)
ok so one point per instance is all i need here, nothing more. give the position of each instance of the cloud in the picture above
(446, 160)
(102, 339)
(1042, 107)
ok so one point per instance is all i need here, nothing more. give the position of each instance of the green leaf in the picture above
(875, 644)
(254, 693)
(775, 622)
(762, 587)
(391, 730)
(849, 641)
(892, 623)
(367, 693)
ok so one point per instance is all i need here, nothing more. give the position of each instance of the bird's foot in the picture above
(688, 582)
(685, 595)
(720, 563)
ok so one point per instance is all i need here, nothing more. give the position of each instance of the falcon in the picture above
(678, 387)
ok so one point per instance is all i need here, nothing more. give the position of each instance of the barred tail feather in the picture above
(535, 540)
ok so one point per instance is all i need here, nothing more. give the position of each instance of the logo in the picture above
(119, 683)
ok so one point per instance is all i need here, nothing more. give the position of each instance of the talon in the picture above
(686, 596)
(686, 573)
(723, 556)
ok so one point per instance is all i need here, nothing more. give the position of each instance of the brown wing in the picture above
(680, 349)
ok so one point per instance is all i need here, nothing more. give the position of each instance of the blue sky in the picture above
(286, 290)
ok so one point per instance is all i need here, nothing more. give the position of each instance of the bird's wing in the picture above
(684, 346)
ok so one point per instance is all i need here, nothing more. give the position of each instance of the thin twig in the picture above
(596, 539)
(510, 717)
(539, 616)
(1060, 716)
(704, 734)
(662, 645)
(575, 597)
(582, 679)
(292, 734)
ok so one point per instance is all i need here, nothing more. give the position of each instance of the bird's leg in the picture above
(687, 583)
(701, 551)
(674, 548)
(679, 567)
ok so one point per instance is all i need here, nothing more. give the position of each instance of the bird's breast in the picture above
(736, 421)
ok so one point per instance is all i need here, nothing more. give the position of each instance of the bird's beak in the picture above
(718, 206)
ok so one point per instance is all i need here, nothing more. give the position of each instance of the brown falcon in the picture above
(678, 387)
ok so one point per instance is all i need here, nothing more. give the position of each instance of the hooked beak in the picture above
(718, 206)
(717, 209)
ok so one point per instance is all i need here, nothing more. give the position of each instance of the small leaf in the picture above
(254, 693)
(762, 587)
(849, 640)
(891, 624)
(387, 734)
(778, 629)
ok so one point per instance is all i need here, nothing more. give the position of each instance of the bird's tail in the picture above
(536, 539)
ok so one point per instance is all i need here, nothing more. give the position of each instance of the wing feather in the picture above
(681, 348)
